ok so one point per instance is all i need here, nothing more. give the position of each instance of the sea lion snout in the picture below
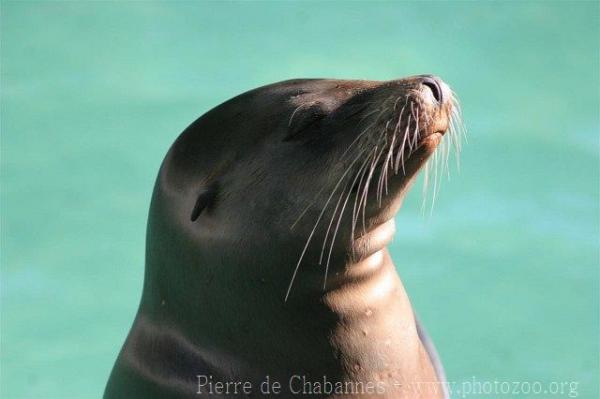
(439, 98)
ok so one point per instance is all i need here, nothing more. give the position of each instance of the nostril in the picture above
(434, 87)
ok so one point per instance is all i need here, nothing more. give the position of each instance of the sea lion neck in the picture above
(366, 286)
(368, 278)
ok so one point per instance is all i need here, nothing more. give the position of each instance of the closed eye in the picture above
(302, 119)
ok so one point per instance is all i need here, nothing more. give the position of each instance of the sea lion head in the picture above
(288, 183)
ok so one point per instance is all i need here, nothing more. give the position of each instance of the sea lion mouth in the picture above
(427, 140)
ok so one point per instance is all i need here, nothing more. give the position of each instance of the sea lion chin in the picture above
(266, 244)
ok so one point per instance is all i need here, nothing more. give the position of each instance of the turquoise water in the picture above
(504, 273)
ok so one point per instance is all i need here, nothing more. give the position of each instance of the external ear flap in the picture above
(304, 117)
(206, 198)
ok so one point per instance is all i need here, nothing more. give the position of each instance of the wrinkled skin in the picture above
(226, 230)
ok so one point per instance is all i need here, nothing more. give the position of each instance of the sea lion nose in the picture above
(434, 84)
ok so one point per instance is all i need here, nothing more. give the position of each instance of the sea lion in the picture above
(266, 258)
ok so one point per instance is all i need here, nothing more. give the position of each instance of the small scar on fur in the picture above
(206, 199)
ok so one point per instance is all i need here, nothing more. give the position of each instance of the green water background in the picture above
(504, 273)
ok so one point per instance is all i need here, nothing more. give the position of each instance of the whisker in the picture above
(354, 142)
(439, 163)
(315, 226)
(337, 205)
(331, 221)
(356, 208)
(402, 150)
(338, 226)
(367, 186)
